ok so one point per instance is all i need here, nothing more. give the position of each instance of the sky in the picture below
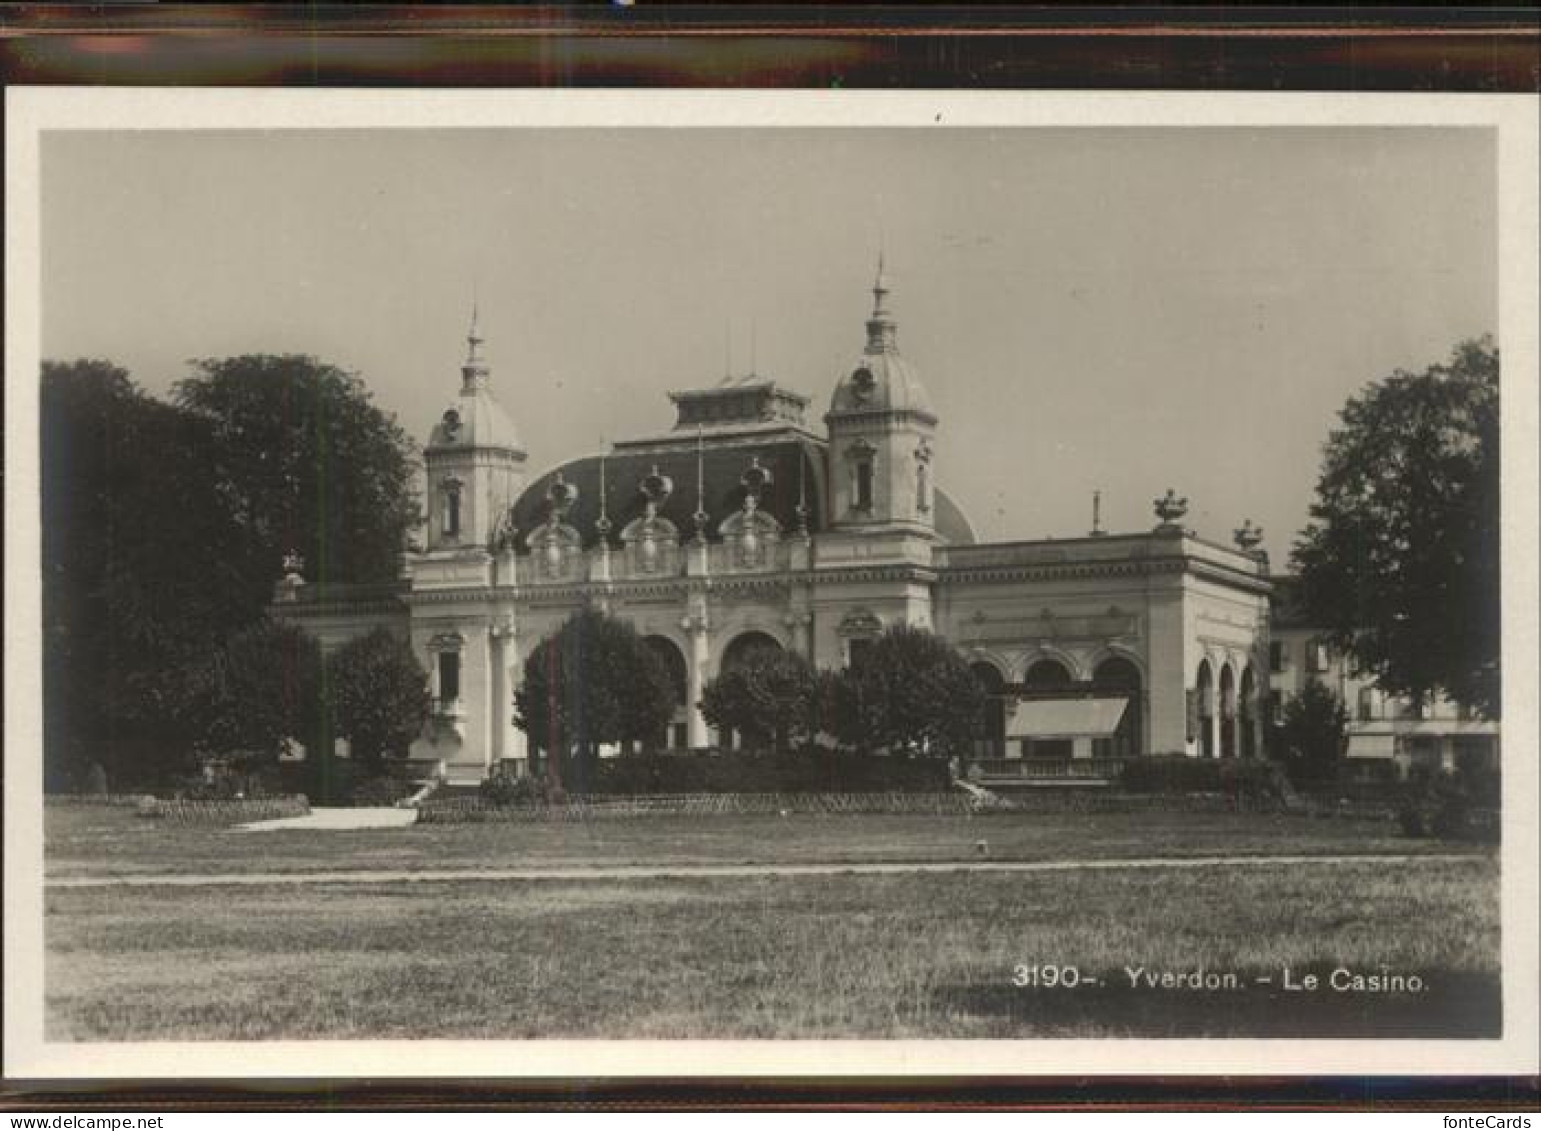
(1091, 309)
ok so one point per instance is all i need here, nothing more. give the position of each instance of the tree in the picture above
(1314, 735)
(379, 697)
(1400, 562)
(592, 682)
(306, 462)
(772, 698)
(136, 556)
(910, 692)
(266, 687)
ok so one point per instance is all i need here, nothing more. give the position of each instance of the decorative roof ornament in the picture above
(1248, 537)
(801, 510)
(1170, 510)
(474, 373)
(602, 523)
(882, 330)
(1097, 531)
(755, 478)
(561, 495)
(655, 488)
(701, 517)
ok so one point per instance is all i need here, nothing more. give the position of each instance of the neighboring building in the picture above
(746, 525)
(1387, 734)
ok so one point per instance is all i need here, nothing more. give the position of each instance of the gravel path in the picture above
(335, 819)
(729, 871)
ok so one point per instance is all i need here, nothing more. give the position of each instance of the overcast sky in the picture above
(1114, 309)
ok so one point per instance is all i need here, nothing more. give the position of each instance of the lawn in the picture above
(828, 956)
(102, 841)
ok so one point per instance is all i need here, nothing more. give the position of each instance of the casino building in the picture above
(751, 522)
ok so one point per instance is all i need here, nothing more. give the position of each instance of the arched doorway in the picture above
(1246, 712)
(741, 650)
(1227, 712)
(1205, 693)
(676, 733)
(990, 739)
(1118, 676)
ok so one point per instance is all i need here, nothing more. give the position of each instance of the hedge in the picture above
(471, 810)
(186, 812)
(1254, 778)
(642, 775)
(116, 800)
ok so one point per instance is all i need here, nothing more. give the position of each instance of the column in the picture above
(486, 726)
(500, 709)
(695, 630)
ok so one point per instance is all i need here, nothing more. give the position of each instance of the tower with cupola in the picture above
(474, 461)
(882, 435)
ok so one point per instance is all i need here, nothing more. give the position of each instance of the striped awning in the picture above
(1066, 718)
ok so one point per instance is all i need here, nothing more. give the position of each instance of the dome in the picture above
(881, 380)
(474, 420)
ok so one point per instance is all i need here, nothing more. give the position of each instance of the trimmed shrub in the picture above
(1450, 807)
(186, 811)
(1253, 780)
(806, 771)
(506, 790)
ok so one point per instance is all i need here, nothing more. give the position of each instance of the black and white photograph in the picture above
(997, 583)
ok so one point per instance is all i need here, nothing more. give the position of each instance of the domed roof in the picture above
(881, 380)
(722, 465)
(475, 419)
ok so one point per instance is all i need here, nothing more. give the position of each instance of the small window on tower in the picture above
(449, 677)
(864, 485)
(452, 509)
(922, 489)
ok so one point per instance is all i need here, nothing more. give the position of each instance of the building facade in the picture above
(1388, 735)
(748, 523)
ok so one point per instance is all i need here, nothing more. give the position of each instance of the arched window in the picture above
(1246, 711)
(864, 484)
(741, 650)
(990, 738)
(1047, 676)
(1118, 676)
(451, 526)
(673, 660)
(743, 647)
(1204, 693)
(1227, 712)
(922, 488)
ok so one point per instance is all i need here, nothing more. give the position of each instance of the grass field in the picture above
(100, 841)
(773, 956)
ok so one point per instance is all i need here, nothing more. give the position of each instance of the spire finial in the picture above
(700, 516)
(474, 337)
(802, 495)
(882, 334)
(602, 524)
(474, 372)
(1097, 531)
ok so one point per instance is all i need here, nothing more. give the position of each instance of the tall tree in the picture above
(772, 698)
(306, 462)
(910, 692)
(592, 682)
(136, 554)
(379, 697)
(1400, 561)
(266, 687)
